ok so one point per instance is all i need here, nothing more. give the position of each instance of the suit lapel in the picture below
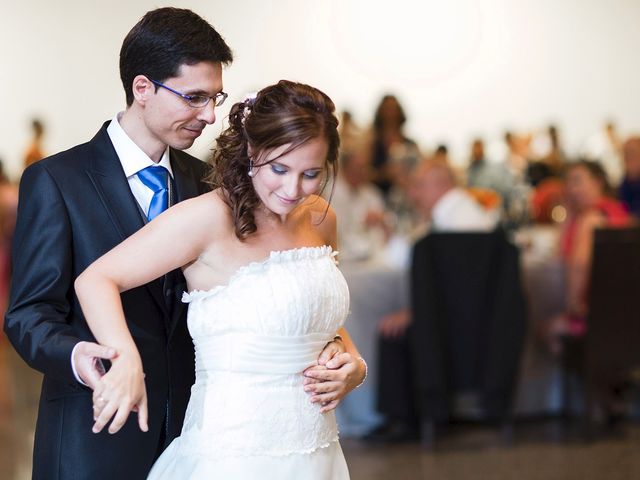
(110, 182)
(186, 183)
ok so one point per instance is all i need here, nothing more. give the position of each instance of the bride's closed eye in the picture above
(280, 170)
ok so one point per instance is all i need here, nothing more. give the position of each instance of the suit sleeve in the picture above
(37, 320)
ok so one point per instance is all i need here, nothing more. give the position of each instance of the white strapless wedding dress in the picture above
(248, 417)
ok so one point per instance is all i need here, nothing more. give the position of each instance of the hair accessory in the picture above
(249, 100)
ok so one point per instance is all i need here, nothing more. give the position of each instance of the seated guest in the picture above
(359, 206)
(629, 191)
(484, 174)
(589, 206)
(448, 207)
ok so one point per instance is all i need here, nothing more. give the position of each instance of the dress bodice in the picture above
(253, 338)
(291, 293)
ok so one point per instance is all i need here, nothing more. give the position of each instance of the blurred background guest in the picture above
(447, 206)
(605, 147)
(441, 154)
(350, 133)
(589, 205)
(360, 209)
(555, 158)
(629, 191)
(517, 159)
(34, 151)
(392, 152)
(482, 173)
(550, 163)
(8, 209)
(517, 162)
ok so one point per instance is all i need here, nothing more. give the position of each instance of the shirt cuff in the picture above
(73, 365)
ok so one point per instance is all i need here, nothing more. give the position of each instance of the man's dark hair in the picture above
(164, 40)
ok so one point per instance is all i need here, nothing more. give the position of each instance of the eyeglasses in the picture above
(196, 101)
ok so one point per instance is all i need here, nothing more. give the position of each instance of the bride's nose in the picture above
(292, 186)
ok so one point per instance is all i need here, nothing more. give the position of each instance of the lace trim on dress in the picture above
(275, 257)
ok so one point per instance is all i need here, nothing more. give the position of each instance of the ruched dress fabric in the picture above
(249, 417)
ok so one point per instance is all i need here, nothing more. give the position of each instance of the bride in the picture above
(265, 296)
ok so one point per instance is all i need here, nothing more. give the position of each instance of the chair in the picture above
(610, 348)
(469, 324)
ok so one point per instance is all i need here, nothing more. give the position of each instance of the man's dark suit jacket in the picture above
(74, 207)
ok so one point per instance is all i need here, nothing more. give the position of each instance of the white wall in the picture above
(460, 67)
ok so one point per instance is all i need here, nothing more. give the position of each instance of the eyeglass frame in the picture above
(189, 98)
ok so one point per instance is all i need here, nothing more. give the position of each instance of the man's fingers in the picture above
(329, 351)
(89, 374)
(95, 350)
(339, 360)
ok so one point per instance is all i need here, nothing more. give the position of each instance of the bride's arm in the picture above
(172, 240)
(340, 367)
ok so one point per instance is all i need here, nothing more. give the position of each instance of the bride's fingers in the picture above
(143, 414)
(323, 387)
(118, 421)
(323, 398)
(329, 406)
(102, 419)
(99, 402)
(310, 381)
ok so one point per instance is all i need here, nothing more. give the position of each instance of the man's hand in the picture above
(330, 350)
(329, 383)
(87, 361)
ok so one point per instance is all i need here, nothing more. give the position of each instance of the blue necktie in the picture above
(156, 178)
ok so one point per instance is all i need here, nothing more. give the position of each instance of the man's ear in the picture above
(142, 89)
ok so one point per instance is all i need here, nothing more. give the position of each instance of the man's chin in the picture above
(182, 144)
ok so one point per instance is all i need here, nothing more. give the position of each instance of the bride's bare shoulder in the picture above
(322, 215)
(208, 211)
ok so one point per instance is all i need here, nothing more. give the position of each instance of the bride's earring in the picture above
(251, 173)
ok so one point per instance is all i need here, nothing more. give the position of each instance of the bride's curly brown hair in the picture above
(287, 113)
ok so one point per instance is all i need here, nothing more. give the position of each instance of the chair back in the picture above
(469, 319)
(612, 342)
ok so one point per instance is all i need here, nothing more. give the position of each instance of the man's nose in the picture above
(207, 113)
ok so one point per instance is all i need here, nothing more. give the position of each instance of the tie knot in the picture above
(154, 177)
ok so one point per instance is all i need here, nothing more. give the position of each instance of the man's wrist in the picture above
(73, 365)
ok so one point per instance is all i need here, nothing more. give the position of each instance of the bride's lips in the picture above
(287, 201)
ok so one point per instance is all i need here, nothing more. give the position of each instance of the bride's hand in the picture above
(334, 380)
(121, 391)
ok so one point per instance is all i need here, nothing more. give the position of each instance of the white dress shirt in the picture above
(133, 159)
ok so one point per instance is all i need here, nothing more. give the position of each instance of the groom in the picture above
(77, 205)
